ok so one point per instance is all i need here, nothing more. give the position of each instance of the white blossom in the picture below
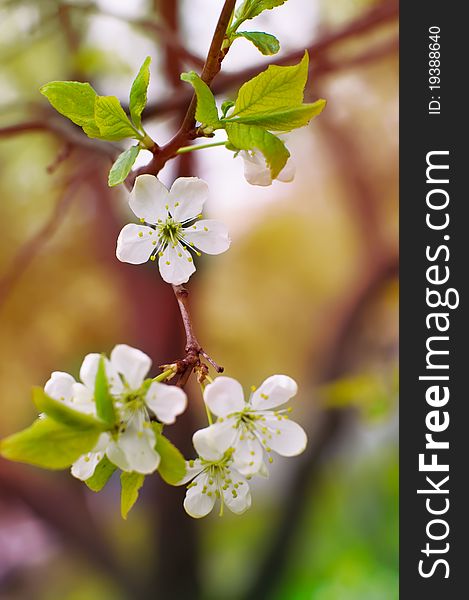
(213, 477)
(254, 427)
(170, 227)
(131, 446)
(257, 171)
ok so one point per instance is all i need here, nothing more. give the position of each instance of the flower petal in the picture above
(149, 198)
(88, 371)
(224, 396)
(203, 443)
(187, 198)
(274, 391)
(166, 401)
(237, 496)
(197, 503)
(256, 171)
(209, 236)
(135, 243)
(176, 265)
(248, 455)
(85, 466)
(191, 472)
(222, 434)
(132, 363)
(287, 174)
(60, 386)
(83, 399)
(135, 448)
(285, 437)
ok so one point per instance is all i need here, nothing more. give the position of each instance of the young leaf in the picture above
(131, 484)
(113, 123)
(138, 93)
(252, 137)
(285, 119)
(49, 444)
(74, 100)
(273, 89)
(102, 397)
(172, 467)
(225, 107)
(206, 112)
(101, 475)
(252, 8)
(124, 163)
(59, 411)
(266, 43)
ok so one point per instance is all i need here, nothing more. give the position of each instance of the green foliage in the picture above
(62, 413)
(102, 397)
(138, 93)
(285, 119)
(252, 8)
(225, 107)
(113, 123)
(131, 484)
(172, 467)
(251, 137)
(274, 89)
(373, 394)
(103, 116)
(74, 100)
(101, 475)
(271, 101)
(206, 112)
(266, 43)
(123, 165)
(49, 444)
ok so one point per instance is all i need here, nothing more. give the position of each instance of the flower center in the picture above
(170, 231)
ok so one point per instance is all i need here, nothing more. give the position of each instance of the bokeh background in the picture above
(308, 288)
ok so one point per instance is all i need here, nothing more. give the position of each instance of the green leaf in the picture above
(273, 89)
(49, 444)
(61, 412)
(172, 467)
(113, 123)
(285, 119)
(123, 165)
(138, 93)
(206, 112)
(252, 137)
(225, 107)
(131, 484)
(74, 100)
(101, 475)
(252, 8)
(266, 43)
(102, 397)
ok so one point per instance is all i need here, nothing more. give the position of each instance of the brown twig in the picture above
(186, 131)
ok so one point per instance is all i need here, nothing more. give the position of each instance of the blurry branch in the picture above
(33, 246)
(61, 504)
(329, 430)
(62, 130)
(168, 37)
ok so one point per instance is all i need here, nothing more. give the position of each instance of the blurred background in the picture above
(308, 288)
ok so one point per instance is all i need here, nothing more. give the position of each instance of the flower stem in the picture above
(165, 374)
(186, 149)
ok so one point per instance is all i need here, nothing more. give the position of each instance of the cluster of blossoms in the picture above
(234, 449)
(131, 445)
(230, 451)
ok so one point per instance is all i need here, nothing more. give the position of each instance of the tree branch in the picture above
(186, 131)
